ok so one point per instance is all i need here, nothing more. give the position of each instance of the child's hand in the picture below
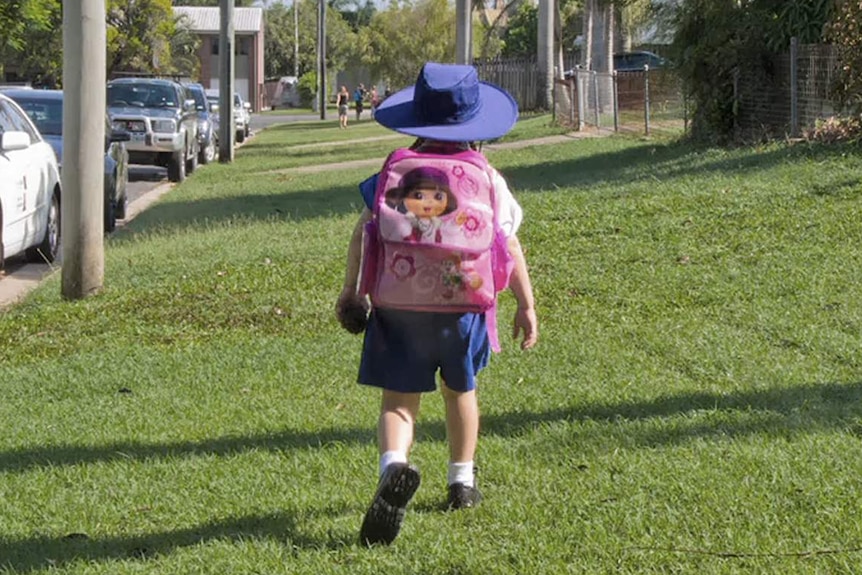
(526, 323)
(352, 311)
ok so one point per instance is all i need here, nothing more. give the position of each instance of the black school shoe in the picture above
(463, 497)
(383, 519)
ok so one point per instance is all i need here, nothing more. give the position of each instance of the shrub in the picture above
(845, 32)
(834, 130)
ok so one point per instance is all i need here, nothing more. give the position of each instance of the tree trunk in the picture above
(587, 52)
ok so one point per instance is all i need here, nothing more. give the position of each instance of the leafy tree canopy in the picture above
(138, 36)
(715, 37)
(280, 38)
(401, 38)
(845, 31)
(19, 19)
(521, 37)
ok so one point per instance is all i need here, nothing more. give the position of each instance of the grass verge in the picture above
(694, 405)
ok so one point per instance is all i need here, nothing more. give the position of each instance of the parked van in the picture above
(282, 92)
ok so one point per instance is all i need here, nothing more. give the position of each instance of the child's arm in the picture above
(354, 253)
(349, 300)
(525, 317)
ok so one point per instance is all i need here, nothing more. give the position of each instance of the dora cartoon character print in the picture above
(434, 242)
(423, 196)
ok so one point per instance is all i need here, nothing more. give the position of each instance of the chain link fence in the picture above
(648, 102)
(788, 95)
(784, 98)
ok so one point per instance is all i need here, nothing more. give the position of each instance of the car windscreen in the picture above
(47, 115)
(141, 96)
(200, 99)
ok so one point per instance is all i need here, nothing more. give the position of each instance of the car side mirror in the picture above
(189, 105)
(10, 141)
(246, 105)
(214, 108)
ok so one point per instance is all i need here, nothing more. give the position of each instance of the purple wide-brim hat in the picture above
(449, 103)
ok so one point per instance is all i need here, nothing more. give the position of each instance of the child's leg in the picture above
(462, 423)
(462, 429)
(398, 413)
(398, 480)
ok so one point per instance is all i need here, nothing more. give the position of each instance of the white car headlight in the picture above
(164, 126)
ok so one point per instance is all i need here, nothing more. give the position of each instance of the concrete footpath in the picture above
(21, 278)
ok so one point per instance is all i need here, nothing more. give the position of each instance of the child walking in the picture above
(415, 329)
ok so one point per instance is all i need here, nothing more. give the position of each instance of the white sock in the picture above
(390, 457)
(461, 472)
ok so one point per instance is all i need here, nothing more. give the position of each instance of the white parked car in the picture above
(241, 114)
(29, 188)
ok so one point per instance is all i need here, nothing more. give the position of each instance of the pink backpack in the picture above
(434, 242)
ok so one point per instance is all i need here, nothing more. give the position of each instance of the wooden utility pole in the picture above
(463, 31)
(83, 177)
(321, 57)
(226, 130)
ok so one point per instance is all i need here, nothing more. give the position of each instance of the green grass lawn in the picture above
(694, 404)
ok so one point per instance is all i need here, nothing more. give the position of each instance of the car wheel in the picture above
(49, 248)
(240, 136)
(192, 162)
(120, 208)
(110, 215)
(208, 152)
(122, 201)
(177, 167)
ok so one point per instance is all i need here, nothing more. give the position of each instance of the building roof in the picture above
(208, 20)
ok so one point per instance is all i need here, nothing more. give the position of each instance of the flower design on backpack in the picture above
(471, 222)
(466, 185)
(403, 267)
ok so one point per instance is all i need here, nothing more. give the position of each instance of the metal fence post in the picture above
(736, 106)
(646, 99)
(579, 78)
(616, 102)
(794, 87)
(595, 79)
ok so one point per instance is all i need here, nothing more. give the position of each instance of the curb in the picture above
(24, 279)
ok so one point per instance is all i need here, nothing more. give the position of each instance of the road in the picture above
(21, 276)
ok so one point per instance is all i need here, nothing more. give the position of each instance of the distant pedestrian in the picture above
(358, 99)
(375, 100)
(342, 101)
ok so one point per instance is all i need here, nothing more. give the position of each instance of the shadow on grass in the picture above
(663, 161)
(38, 553)
(666, 161)
(289, 206)
(801, 409)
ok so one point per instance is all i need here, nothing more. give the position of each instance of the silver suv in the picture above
(161, 117)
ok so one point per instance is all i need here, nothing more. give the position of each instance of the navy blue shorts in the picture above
(404, 350)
